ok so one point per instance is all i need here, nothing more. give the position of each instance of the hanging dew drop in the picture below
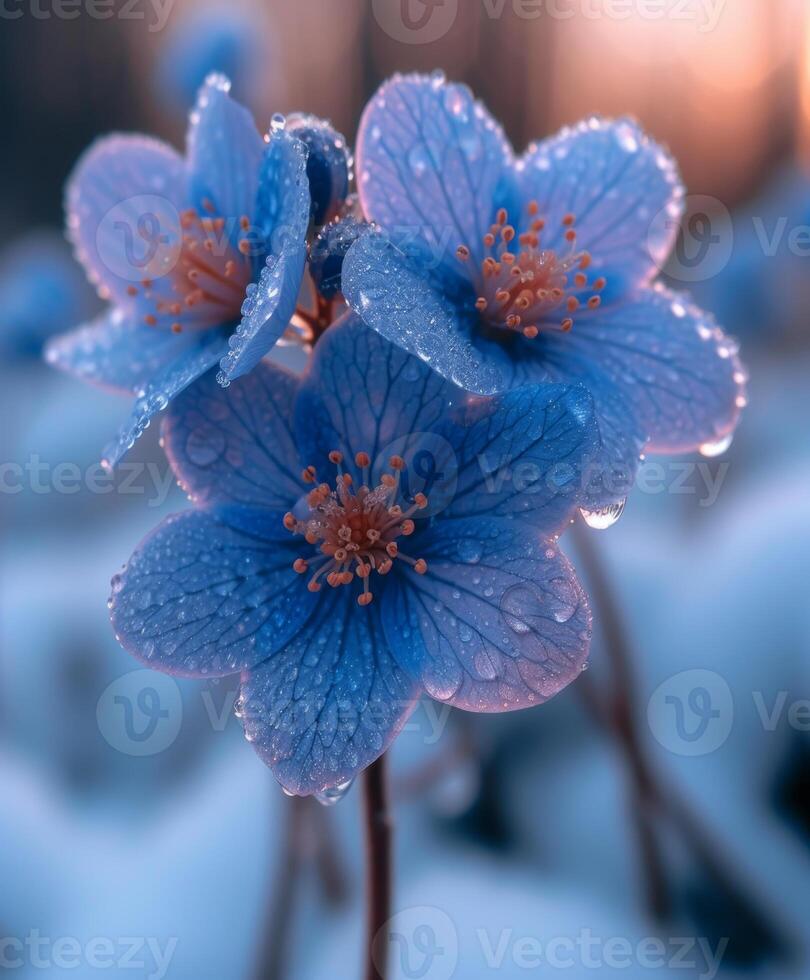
(333, 795)
(604, 517)
(718, 447)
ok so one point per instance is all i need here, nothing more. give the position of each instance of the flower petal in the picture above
(666, 361)
(363, 394)
(236, 446)
(612, 466)
(204, 595)
(433, 161)
(160, 389)
(224, 151)
(123, 201)
(394, 296)
(113, 352)
(523, 454)
(282, 217)
(331, 702)
(498, 622)
(328, 165)
(623, 189)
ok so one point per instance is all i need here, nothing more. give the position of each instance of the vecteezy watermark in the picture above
(140, 713)
(692, 713)
(155, 13)
(706, 241)
(151, 480)
(423, 942)
(426, 21)
(151, 956)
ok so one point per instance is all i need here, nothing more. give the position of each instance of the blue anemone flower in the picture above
(201, 259)
(415, 552)
(500, 271)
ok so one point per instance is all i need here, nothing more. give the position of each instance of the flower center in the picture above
(524, 286)
(207, 282)
(356, 530)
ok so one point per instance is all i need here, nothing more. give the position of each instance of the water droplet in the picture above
(418, 160)
(469, 550)
(278, 123)
(716, 447)
(334, 794)
(603, 517)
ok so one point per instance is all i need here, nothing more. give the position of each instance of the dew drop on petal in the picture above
(334, 794)
(716, 447)
(603, 517)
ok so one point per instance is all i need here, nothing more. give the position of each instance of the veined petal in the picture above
(524, 454)
(432, 161)
(224, 151)
(623, 190)
(331, 701)
(123, 202)
(363, 394)
(236, 446)
(156, 394)
(282, 218)
(115, 353)
(395, 297)
(205, 596)
(612, 467)
(498, 622)
(664, 359)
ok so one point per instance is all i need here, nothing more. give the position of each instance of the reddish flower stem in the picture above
(379, 833)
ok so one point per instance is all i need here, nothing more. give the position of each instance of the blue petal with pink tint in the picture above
(328, 679)
(545, 270)
(329, 703)
(623, 189)
(282, 218)
(393, 294)
(498, 622)
(224, 154)
(432, 163)
(524, 454)
(236, 445)
(114, 352)
(204, 596)
(159, 390)
(122, 199)
(190, 252)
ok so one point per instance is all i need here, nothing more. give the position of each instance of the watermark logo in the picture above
(415, 21)
(705, 244)
(139, 238)
(692, 712)
(141, 713)
(421, 943)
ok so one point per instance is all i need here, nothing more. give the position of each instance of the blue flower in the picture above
(41, 287)
(201, 259)
(500, 271)
(341, 604)
(211, 38)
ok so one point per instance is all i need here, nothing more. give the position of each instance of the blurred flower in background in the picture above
(42, 291)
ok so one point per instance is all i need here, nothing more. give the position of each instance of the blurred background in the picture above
(652, 819)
